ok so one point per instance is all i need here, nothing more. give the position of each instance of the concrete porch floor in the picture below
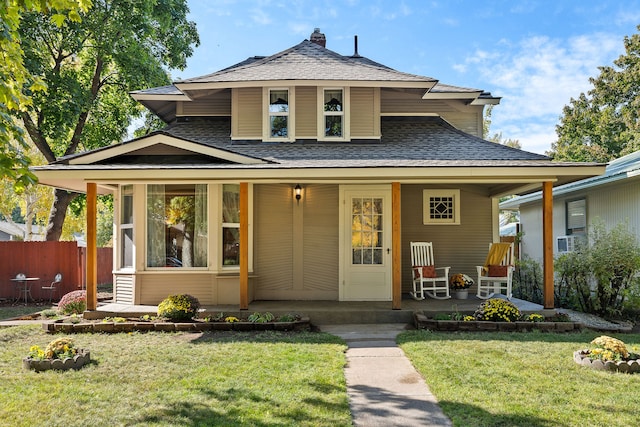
(329, 312)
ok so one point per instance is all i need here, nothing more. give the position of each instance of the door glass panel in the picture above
(366, 230)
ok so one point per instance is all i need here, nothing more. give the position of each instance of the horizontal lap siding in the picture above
(153, 288)
(246, 119)
(467, 118)
(306, 112)
(365, 117)
(273, 244)
(321, 239)
(460, 247)
(217, 105)
(316, 275)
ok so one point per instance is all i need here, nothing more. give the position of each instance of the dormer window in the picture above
(278, 115)
(333, 113)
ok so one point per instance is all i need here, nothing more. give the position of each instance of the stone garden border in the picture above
(423, 322)
(581, 357)
(60, 325)
(76, 362)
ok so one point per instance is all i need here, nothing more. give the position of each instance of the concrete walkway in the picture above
(383, 386)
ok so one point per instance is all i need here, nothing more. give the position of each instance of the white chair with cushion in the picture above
(53, 286)
(427, 279)
(496, 275)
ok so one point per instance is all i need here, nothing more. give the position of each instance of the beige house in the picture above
(302, 175)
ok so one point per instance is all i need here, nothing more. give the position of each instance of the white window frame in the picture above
(129, 188)
(323, 114)
(219, 239)
(576, 207)
(290, 114)
(427, 196)
(146, 232)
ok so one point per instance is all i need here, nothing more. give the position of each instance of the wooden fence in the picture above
(44, 260)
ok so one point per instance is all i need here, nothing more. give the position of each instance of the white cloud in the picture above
(259, 16)
(536, 78)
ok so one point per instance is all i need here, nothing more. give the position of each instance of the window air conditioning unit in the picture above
(565, 244)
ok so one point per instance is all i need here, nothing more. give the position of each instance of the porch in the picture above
(329, 312)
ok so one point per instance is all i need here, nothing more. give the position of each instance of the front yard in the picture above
(522, 379)
(171, 379)
(296, 379)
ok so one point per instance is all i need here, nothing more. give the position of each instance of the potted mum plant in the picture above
(460, 284)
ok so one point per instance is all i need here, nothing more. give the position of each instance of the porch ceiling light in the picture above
(298, 192)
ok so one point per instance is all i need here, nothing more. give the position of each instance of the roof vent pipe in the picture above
(355, 47)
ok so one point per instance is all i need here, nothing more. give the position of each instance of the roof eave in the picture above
(186, 87)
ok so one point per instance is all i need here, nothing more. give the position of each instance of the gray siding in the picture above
(614, 204)
(217, 104)
(296, 246)
(365, 115)
(461, 247)
(246, 120)
(306, 112)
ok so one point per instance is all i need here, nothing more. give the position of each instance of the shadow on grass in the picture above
(463, 414)
(229, 408)
(296, 337)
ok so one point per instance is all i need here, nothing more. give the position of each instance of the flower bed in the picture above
(60, 354)
(421, 321)
(197, 325)
(609, 354)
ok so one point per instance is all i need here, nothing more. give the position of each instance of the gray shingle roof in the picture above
(405, 140)
(307, 61)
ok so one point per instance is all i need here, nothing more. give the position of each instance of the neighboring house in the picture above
(302, 175)
(613, 197)
(12, 231)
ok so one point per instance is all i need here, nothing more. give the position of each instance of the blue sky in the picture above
(536, 55)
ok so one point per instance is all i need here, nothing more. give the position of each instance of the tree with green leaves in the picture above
(604, 123)
(17, 83)
(496, 137)
(90, 67)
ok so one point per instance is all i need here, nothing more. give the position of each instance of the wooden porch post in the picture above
(92, 248)
(244, 246)
(396, 247)
(547, 243)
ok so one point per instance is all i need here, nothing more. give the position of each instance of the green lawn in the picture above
(11, 311)
(179, 379)
(522, 379)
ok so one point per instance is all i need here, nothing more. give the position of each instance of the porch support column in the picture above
(244, 246)
(547, 243)
(396, 247)
(92, 247)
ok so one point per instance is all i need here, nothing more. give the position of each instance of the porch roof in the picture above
(411, 149)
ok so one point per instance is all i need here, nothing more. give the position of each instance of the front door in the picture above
(366, 243)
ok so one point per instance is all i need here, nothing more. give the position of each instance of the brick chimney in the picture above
(318, 38)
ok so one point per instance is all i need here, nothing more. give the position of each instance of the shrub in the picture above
(261, 317)
(497, 310)
(527, 280)
(600, 276)
(179, 307)
(74, 302)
